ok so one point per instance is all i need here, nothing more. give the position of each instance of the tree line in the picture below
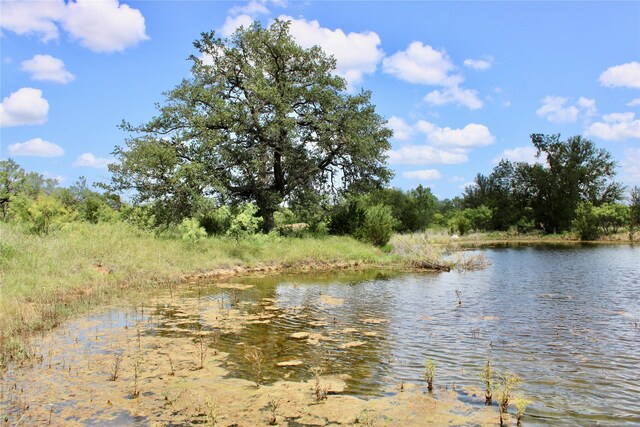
(263, 136)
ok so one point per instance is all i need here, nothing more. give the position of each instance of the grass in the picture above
(46, 279)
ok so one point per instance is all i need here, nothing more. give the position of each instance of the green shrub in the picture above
(191, 231)
(586, 223)
(245, 223)
(43, 214)
(377, 226)
(347, 218)
(216, 221)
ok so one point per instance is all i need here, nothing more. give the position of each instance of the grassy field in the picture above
(43, 280)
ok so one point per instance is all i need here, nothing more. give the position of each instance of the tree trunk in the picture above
(268, 222)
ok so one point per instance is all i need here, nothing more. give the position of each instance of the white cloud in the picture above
(478, 64)
(587, 106)
(232, 23)
(36, 147)
(625, 75)
(456, 178)
(631, 166)
(422, 64)
(356, 54)
(521, 154)
(634, 103)
(102, 26)
(423, 174)
(425, 154)
(91, 161)
(553, 109)
(467, 184)
(253, 8)
(401, 130)
(472, 135)
(32, 17)
(47, 68)
(26, 106)
(616, 127)
(105, 25)
(454, 95)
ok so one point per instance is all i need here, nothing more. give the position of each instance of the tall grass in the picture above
(44, 279)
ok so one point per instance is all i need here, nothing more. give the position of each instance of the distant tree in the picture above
(585, 222)
(260, 119)
(634, 211)
(14, 181)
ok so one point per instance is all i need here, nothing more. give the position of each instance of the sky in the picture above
(461, 84)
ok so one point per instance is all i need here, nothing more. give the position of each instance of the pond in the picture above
(565, 318)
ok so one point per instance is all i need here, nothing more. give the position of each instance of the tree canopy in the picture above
(261, 119)
(548, 195)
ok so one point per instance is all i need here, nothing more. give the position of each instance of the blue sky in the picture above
(462, 84)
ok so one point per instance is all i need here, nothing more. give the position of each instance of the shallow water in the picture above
(564, 318)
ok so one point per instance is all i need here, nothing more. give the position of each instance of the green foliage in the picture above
(216, 221)
(191, 231)
(459, 223)
(347, 217)
(612, 217)
(41, 215)
(586, 223)
(245, 223)
(429, 373)
(634, 211)
(140, 216)
(262, 122)
(377, 226)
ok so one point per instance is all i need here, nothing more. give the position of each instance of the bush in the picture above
(191, 231)
(347, 218)
(245, 223)
(42, 215)
(216, 221)
(586, 222)
(377, 226)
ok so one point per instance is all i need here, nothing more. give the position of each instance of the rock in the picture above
(289, 363)
(300, 335)
(352, 344)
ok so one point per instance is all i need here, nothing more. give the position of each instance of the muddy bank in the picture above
(162, 365)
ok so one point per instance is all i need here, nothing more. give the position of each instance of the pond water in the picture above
(564, 318)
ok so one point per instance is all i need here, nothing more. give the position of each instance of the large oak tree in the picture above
(261, 119)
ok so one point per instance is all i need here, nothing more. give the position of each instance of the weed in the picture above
(521, 403)
(137, 364)
(458, 295)
(201, 346)
(503, 391)
(429, 373)
(255, 357)
(272, 407)
(115, 367)
(173, 371)
(487, 378)
(212, 412)
(365, 418)
(319, 390)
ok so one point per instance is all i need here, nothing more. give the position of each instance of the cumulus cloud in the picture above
(47, 68)
(36, 147)
(423, 174)
(454, 143)
(557, 109)
(232, 23)
(101, 26)
(91, 161)
(634, 103)
(401, 130)
(422, 64)
(33, 17)
(26, 106)
(625, 75)
(454, 95)
(521, 154)
(426, 154)
(478, 64)
(616, 127)
(472, 135)
(554, 109)
(356, 54)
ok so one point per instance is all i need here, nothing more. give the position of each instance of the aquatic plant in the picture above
(272, 407)
(320, 391)
(521, 403)
(212, 411)
(429, 373)
(115, 367)
(487, 378)
(503, 391)
(458, 296)
(255, 357)
(137, 364)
